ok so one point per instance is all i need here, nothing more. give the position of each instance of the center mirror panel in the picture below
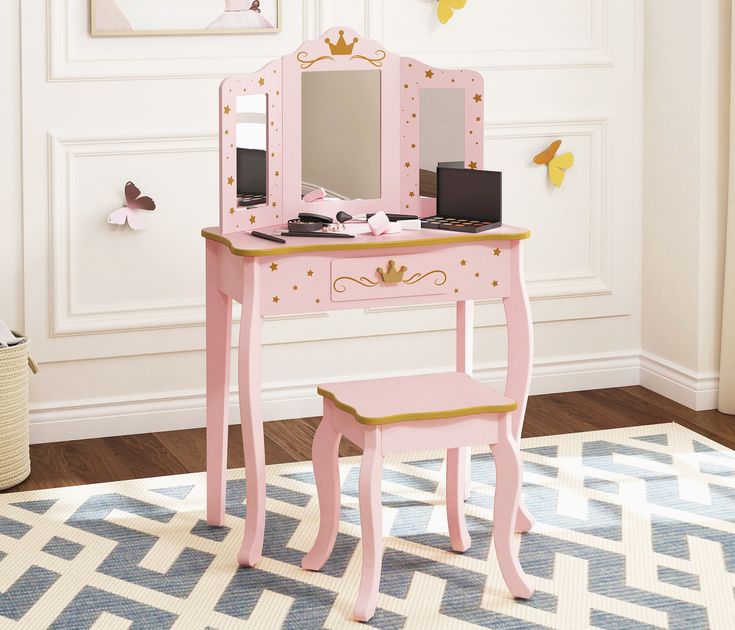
(441, 134)
(251, 141)
(340, 133)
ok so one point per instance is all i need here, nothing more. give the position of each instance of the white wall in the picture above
(687, 66)
(116, 317)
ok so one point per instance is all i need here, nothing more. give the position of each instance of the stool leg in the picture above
(371, 525)
(507, 494)
(456, 471)
(325, 459)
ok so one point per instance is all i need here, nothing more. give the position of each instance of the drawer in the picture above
(378, 277)
(466, 272)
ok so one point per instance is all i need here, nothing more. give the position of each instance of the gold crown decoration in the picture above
(341, 47)
(392, 275)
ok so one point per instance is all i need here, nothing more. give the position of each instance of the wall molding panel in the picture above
(67, 317)
(73, 55)
(596, 52)
(119, 330)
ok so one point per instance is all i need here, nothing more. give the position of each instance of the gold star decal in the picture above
(413, 146)
(227, 109)
(405, 85)
(273, 155)
(261, 81)
(456, 290)
(411, 194)
(496, 251)
(227, 132)
(232, 210)
(310, 273)
(429, 73)
(477, 98)
(252, 219)
(274, 266)
(407, 165)
(317, 300)
(477, 119)
(230, 180)
(278, 173)
(413, 115)
(276, 299)
(495, 283)
(477, 274)
(463, 262)
(472, 165)
(295, 287)
(274, 204)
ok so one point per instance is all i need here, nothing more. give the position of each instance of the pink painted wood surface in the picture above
(251, 419)
(325, 455)
(366, 54)
(444, 433)
(218, 331)
(371, 525)
(336, 280)
(508, 479)
(520, 356)
(379, 401)
(458, 534)
(267, 81)
(416, 76)
(245, 244)
(379, 440)
(464, 343)
(420, 274)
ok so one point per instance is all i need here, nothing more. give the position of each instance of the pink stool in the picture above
(411, 413)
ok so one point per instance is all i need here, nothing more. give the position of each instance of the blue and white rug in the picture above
(635, 529)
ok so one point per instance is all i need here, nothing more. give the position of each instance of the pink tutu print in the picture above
(241, 14)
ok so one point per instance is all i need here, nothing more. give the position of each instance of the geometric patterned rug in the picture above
(635, 529)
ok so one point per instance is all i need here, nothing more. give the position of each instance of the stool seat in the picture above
(422, 397)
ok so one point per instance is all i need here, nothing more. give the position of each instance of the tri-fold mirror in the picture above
(342, 114)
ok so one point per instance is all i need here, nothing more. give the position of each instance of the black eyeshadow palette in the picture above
(458, 225)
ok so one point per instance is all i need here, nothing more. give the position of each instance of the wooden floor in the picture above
(174, 452)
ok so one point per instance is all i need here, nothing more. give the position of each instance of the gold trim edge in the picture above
(421, 415)
(336, 247)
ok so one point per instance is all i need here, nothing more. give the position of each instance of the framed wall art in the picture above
(183, 17)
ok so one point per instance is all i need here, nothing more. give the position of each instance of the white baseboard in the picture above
(696, 390)
(167, 411)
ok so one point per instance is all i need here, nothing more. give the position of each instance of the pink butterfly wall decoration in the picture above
(133, 208)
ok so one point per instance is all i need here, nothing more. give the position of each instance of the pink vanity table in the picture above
(308, 274)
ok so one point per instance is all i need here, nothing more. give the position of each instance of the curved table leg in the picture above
(507, 492)
(325, 459)
(371, 524)
(520, 355)
(250, 417)
(218, 331)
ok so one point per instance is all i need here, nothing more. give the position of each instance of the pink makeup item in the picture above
(315, 195)
(379, 223)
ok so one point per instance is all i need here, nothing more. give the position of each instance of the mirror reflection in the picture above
(441, 134)
(340, 133)
(251, 142)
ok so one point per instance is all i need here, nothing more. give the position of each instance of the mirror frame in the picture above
(401, 80)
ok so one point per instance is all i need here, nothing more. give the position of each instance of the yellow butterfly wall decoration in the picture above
(558, 165)
(446, 9)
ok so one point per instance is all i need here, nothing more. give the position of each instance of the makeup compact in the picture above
(467, 200)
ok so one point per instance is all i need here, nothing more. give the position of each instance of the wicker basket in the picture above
(15, 462)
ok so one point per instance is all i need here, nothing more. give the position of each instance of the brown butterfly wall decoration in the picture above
(132, 210)
(557, 165)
